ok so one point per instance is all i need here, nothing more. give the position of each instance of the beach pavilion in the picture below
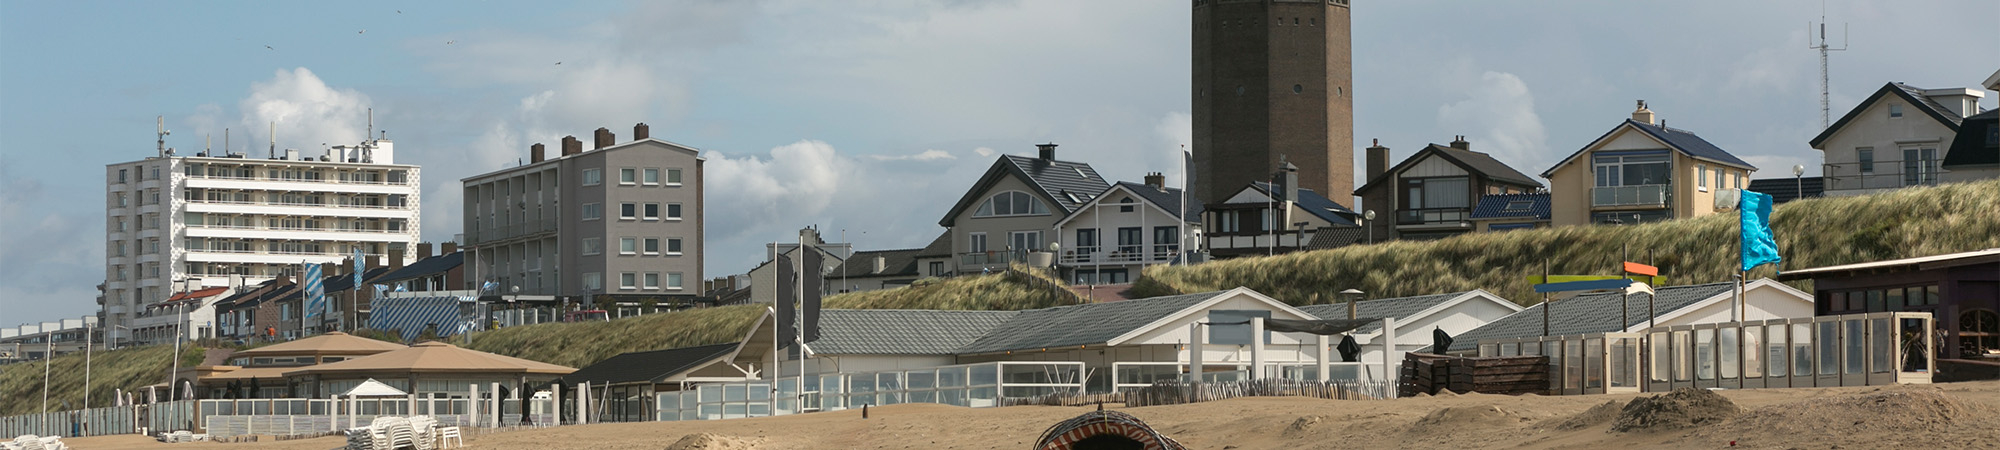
(263, 368)
(426, 369)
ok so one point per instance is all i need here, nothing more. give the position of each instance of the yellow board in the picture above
(1537, 279)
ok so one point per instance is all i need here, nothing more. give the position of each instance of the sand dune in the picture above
(1960, 415)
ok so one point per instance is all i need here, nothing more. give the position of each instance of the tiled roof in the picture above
(1495, 206)
(1914, 95)
(1975, 144)
(1320, 206)
(902, 332)
(1068, 184)
(862, 265)
(649, 366)
(938, 247)
(425, 267)
(1584, 314)
(1399, 308)
(1471, 161)
(1168, 199)
(1094, 323)
(1336, 237)
(1784, 190)
(1683, 141)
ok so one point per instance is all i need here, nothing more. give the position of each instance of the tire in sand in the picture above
(1104, 430)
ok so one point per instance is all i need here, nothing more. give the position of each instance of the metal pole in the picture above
(173, 382)
(1182, 249)
(1624, 307)
(48, 358)
(1545, 300)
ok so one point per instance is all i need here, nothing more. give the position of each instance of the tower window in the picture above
(1313, 22)
(1298, 88)
(1295, 21)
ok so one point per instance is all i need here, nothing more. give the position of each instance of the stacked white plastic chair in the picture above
(362, 438)
(53, 443)
(448, 434)
(425, 429)
(29, 442)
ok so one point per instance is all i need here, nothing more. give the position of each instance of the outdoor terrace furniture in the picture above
(446, 435)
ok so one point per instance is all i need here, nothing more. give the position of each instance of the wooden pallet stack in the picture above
(1425, 373)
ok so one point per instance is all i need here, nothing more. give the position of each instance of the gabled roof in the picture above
(862, 265)
(1914, 95)
(1400, 308)
(1679, 140)
(434, 357)
(1335, 237)
(1471, 161)
(1594, 313)
(1168, 199)
(425, 267)
(329, 343)
(938, 247)
(1094, 323)
(204, 293)
(652, 366)
(1320, 206)
(901, 332)
(1975, 145)
(1062, 183)
(1494, 206)
(1784, 190)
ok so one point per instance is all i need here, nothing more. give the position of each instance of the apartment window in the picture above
(1895, 111)
(1634, 170)
(652, 246)
(673, 177)
(1228, 221)
(1701, 177)
(119, 199)
(628, 176)
(153, 269)
(593, 246)
(673, 246)
(1166, 240)
(1920, 166)
(1866, 156)
(593, 281)
(1128, 240)
(118, 224)
(674, 211)
(1736, 179)
(119, 274)
(593, 177)
(976, 243)
(118, 248)
(1011, 203)
(673, 280)
(152, 245)
(652, 211)
(937, 268)
(156, 172)
(285, 313)
(1718, 178)
(628, 245)
(121, 175)
(593, 211)
(652, 280)
(652, 177)
(1086, 240)
(628, 280)
(628, 210)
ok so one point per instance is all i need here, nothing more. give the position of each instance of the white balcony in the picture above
(262, 257)
(297, 234)
(1641, 195)
(291, 209)
(265, 184)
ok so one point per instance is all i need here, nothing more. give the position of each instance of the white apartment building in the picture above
(171, 219)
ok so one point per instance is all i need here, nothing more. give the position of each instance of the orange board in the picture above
(1641, 269)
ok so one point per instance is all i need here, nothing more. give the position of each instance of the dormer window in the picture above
(1520, 205)
(1011, 203)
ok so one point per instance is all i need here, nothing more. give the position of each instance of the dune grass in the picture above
(126, 368)
(1904, 223)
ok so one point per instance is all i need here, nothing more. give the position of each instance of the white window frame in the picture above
(635, 211)
(673, 177)
(673, 246)
(593, 177)
(976, 242)
(650, 176)
(650, 211)
(628, 245)
(628, 176)
(674, 280)
(650, 281)
(628, 280)
(674, 211)
(649, 246)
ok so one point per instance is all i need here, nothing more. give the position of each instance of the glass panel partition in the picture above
(1829, 348)
(1727, 348)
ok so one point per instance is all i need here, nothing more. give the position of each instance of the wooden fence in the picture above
(1175, 392)
(1425, 373)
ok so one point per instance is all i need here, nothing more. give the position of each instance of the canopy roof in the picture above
(433, 357)
(330, 343)
(372, 388)
(248, 373)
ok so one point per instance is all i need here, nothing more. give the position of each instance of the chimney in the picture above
(1288, 183)
(423, 250)
(395, 257)
(641, 132)
(881, 264)
(1157, 181)
(536, 153)
(1643, 115)
(1378, 160)
(330, 269)
(605, 138)
(1458, 142)
(449, 248)
(1048, 151)
(570, 146)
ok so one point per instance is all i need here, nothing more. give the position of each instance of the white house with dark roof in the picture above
(1433, 193)
(1668, 306)
(1642, 171)
(1013, 207)
(1244, 224)
(1120, 231)
(1896, 137)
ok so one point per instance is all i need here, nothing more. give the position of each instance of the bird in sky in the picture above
(362, 32)
(267, 47)
(558, 63)
(449, 42)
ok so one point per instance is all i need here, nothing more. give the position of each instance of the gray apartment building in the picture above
(618, 219)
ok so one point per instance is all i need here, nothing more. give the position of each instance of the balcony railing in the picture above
(1433, 216)
(1883, 174)
(510, 231)
(996, 257)
(309, 205)
(269, 228)
(1641, 195)
(1119, 254)
(301, 180)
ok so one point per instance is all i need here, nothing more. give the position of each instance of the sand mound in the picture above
(1303, 425)
(1458, 418)
(1682, 408)
(1596, 415)
(706, 441)
(1925, 415)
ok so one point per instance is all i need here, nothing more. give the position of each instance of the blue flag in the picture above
(1759, 246)
(359, 266)
(315, 293)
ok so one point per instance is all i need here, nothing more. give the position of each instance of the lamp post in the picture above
(1302, 235)
(1368, 219)
(1798, 182)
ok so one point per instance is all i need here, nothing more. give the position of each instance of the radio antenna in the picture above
(162, 132)
(1825, 111)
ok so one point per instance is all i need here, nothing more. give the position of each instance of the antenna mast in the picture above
(273, 153)
(1825, 111)
(162, 133)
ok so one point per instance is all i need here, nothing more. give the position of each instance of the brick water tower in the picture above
(1272, 79)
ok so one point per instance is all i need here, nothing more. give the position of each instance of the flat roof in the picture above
(1923, 263)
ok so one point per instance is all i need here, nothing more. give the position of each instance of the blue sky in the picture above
(869, 116)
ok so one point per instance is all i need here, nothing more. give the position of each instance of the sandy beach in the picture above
(1959, 415)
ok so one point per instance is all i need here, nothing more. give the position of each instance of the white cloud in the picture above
(984, 151)
(1498, 117)
(306, 111)
(926, 155)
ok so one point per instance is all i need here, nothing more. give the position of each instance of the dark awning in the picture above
(1321, 327)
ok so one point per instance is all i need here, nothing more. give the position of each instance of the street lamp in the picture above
(1798, 181)
(1352, 296)
(1368, 219)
